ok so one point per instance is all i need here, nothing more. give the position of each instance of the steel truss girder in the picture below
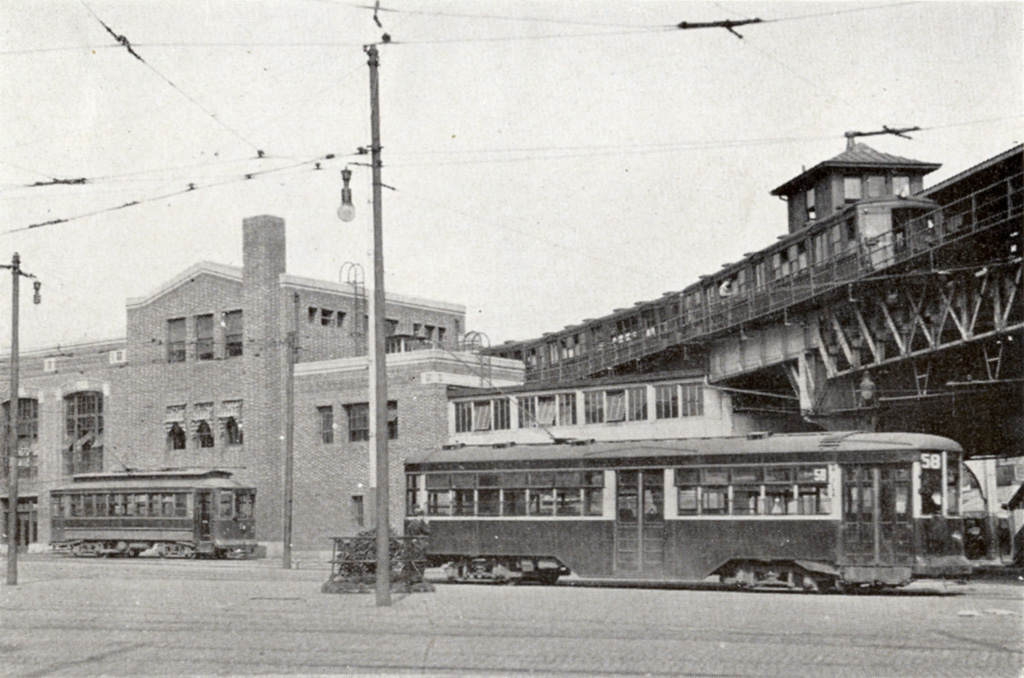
(919, 314)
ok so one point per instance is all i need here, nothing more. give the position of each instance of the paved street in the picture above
(70, 617)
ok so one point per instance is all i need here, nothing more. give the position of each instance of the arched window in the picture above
(205, 434)
(83, 432)
(176, 437)
(233, 431)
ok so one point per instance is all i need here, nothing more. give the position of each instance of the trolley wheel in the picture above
(548, 578)
(812, 584)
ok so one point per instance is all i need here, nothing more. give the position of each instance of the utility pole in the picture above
(289, 433)
(12, 422)
(380, 413)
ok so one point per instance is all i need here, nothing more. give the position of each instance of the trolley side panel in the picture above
(585, 546)
(695, 548)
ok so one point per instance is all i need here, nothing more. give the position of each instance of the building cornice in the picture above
(346, 289)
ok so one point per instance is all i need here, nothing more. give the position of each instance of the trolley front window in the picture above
(931, 483)
(227, 504)
(245, 503)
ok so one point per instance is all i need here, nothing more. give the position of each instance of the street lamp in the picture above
(346, 212)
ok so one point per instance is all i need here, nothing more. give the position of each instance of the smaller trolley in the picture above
(176, 513)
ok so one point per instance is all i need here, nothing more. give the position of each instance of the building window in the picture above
(567, 409)
(176, 340)
(593, 407)
(440, 336)
(527, 412)
(693, 400)
(326, 414)
(83, 433)
(876, 186)
(27, 426)
(28, 420)
(851, 189)
(357, 509)
(204, 434)
(392, 419)
(202, 415)
(901, 186)
(463, 417)
(232, 322)
(637, 403)
(546, 410)
(204, 337)
(358, 421)
(118, 356)
(176, 437)
(615, 402)
(482, 415)
(666, 401)
(326, 317)
(49, 364)
(810, 204)
(390, 327)
(174, 427)
(502, 415)
(230, 419)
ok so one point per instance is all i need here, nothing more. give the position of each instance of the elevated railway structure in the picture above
(885, 306)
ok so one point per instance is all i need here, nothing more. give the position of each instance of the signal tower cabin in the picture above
(860, 173)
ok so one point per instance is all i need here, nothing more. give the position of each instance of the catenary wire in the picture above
(127, 45)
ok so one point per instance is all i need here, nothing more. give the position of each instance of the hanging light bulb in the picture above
(347, 211)
(36, 297)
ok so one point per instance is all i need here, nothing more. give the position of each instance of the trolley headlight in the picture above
(956, 536)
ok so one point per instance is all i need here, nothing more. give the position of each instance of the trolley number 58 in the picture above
(931, 461)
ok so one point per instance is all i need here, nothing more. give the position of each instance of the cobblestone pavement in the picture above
(69, 617)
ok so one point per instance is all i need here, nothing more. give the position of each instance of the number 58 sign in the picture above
(931, 461)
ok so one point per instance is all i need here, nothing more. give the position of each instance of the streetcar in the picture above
(169, 513)
(814, 511)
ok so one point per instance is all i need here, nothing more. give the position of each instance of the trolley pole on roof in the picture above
(11, 429)
(380, 413)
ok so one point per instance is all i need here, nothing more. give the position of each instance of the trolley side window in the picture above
(536, 493)
(753, 491)
(952, 484)
(57, 505)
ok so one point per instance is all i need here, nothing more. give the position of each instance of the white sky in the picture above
(544, 173)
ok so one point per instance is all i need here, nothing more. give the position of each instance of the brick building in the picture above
(200, 381)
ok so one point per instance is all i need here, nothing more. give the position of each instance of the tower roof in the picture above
(857, 156)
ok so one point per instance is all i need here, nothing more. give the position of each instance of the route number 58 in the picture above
(931, 460)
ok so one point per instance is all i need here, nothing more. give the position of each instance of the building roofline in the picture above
(347, 289)
(861, 156)
(42, 351)
(233, 273)
(983, 165)
(435, 355)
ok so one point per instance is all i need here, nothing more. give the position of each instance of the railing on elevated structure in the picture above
(958, 221)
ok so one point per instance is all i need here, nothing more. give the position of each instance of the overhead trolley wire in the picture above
(459, 15)
(191, 187)
(127, 45)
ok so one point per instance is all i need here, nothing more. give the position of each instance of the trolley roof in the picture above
(152, 479)
(753, 448)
